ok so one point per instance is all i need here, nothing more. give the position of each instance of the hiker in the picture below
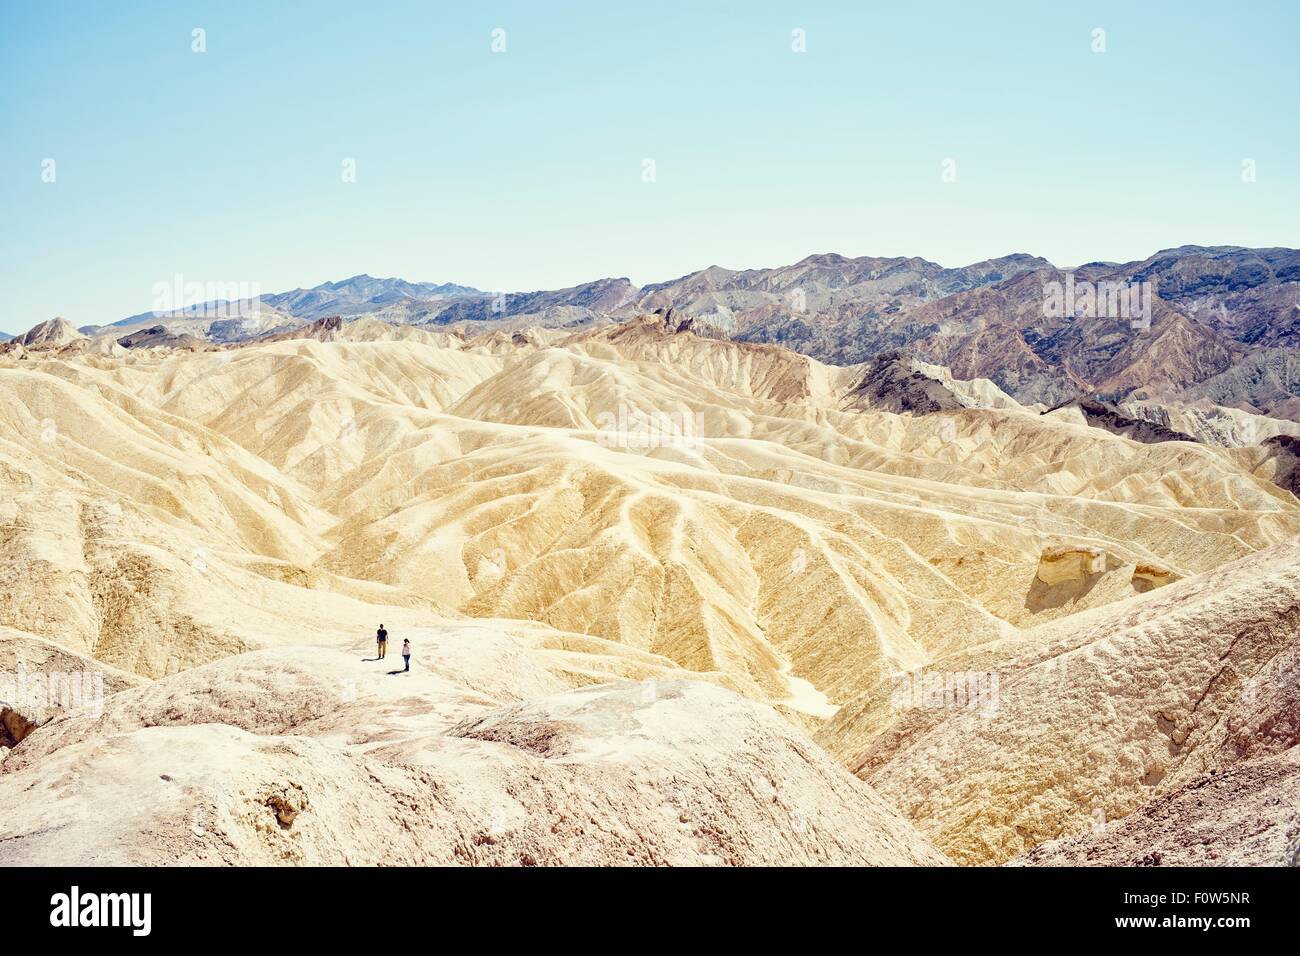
(381, 639)
(406, 653)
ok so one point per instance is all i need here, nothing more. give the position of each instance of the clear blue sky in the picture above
(523, 170)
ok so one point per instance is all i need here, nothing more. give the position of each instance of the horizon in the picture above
(615, 278)
(584, 143)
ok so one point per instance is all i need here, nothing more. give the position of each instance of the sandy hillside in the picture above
(486, 758)
(635, 562)
(1094, 721)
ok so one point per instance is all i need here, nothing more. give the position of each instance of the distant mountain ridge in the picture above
(360, 294)
(1224, 320)
(818, 282)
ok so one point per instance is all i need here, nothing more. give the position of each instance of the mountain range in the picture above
(1223, 322)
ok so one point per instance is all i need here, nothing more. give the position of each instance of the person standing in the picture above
(381, 639)
(406, 654)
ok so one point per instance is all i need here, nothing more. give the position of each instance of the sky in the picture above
(622, 139)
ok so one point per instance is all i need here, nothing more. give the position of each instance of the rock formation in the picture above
(644, 568)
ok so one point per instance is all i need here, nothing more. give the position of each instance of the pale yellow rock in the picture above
(306, 757)
(260, 510)
(1062, 563)
(1093, 719)
(250, 496)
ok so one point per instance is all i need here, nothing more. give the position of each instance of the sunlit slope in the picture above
(1097, 717)
(792, 548)
(478, 756)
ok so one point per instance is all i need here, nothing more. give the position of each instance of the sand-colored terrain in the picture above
(1095, 719)
(640, 568)
(484, 757)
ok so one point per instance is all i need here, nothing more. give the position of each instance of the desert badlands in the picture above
(673, 599)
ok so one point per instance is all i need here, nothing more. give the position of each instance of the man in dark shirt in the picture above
(381, 638)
